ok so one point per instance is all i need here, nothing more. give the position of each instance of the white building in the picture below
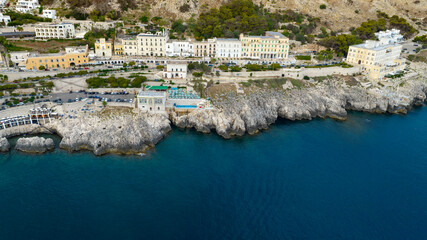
(175, 48)
(228, 48)
(27, 6)
(55, 31)
(19, 58)
(176, 70)
(153, 45)
(4, 19)
(151, 101)
(379, 58)
(49, 13)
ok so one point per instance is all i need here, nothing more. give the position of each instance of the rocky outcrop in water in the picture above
(114, 130)
(4, 144)
(35, 145)
(249, 113)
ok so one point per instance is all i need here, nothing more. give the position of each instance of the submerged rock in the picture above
(4, 145)
(35, 145)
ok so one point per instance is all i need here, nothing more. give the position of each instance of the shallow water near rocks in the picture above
(364, 178)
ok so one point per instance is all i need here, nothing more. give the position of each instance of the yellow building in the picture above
(73, 56)
(118, 47)
(103, 48)
(379, 58)
(272, 46)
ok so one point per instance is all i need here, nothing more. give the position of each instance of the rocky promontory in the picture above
(113, 130)
(4, 144)
(35, 144)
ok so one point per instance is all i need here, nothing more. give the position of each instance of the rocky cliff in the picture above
(4, 145)
(114, 130)
(249, 113)
(35, 145)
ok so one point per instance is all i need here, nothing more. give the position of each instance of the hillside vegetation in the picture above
(334, 14)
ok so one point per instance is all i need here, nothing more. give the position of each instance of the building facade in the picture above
(176, 70)
(379, 58)
(271, 46)
(205, 48)
(27, 6)
(19, 58)
(152, 45)
(55, 31)
(130, 46)
(72, 57)
(103, 48)
(151, 101)
(176, 48)
(228, 48)
(118, 47)
(49, 13)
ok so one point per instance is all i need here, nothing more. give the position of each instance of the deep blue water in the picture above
(365, 178)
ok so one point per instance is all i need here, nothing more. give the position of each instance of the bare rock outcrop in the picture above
(35, 144)
(114, 130)
(4, 144)
(239, 114)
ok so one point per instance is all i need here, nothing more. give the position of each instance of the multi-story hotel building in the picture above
(379, 58)
(55, 31)
(228, 48)
(130, 46)
(73, 56)
(26, 6)
(153, 45)
(271, 46)
(103, 48)
(205, 48)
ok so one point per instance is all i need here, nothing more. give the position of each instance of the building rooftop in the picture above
(158, 34)
(274, 34)
(227, 39)
(374, 45)
(150, 93)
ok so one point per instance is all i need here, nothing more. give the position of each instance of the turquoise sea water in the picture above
(365, 178)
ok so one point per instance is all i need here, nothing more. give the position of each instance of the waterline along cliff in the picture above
(127, 131)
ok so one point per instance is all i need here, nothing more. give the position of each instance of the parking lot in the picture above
(95, 95)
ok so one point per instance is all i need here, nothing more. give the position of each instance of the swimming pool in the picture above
(186, 106)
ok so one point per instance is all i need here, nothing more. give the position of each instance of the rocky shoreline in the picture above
(124, 131)
(237, 115)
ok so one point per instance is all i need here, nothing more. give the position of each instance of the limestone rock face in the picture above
(113, 131)
(4, 145)
(239, 114)
(35, 145)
